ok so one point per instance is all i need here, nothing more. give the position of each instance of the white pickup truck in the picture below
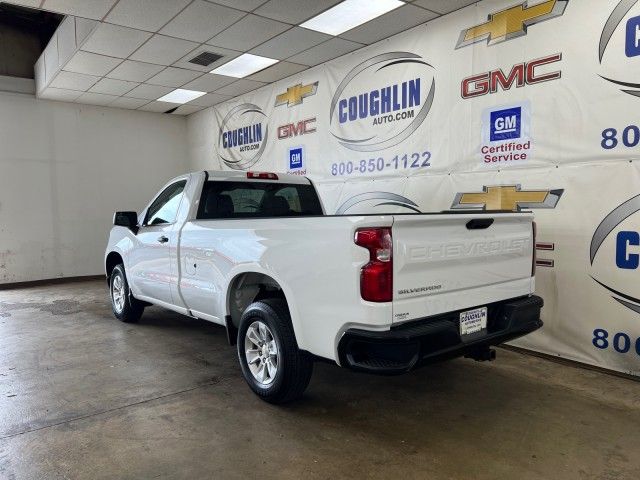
(379, 293)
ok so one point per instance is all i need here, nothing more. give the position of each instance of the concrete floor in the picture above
(85, 396)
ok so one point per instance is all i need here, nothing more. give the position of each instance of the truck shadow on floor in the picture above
(457, 388)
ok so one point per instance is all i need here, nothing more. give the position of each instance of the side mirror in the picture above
(126, 219)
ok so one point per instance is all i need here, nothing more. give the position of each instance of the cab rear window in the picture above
(257, 200)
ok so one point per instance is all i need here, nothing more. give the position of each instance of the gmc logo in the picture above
(294, 129)
(521, 74)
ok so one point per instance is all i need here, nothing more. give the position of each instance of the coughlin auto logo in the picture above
(617, 241)
(243, 136)
(296, 94)
(382, 101)
(507, 197)
(511, 23)
(631, 47)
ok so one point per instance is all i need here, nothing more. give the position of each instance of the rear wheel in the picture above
(273, 366)
(124, 306)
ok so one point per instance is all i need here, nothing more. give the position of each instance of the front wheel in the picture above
(124, 306)
(273, 366)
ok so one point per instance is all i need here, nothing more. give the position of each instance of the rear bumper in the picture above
(437, 338)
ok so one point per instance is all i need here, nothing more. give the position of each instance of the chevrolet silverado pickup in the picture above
(379, 293)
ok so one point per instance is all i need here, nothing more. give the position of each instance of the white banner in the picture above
(501, 105)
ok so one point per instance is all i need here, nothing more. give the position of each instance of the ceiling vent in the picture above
(205, 59)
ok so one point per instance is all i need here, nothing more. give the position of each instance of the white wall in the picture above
(201, 140)
(64, 170)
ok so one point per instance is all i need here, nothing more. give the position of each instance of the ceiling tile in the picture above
(209, 82)
(325, 51)
(294, 11)
(173, 77)
(248, 32)
(396, 21)
(210, 99)
(187, 109)
(95, 9)
(444, 6)
(150, 92)
(95, 98)
(91, 63)
(246, 5)
(201, 20)
(278, 71)
(114, 40)
(60, 94)
(73, 81)
(150, 15)
(290, 42)
(26, 3)
(163, 50)
(239, 87)
(135, 71)
(129, 103)
(225, 52)
(113, 87)
(159, 107)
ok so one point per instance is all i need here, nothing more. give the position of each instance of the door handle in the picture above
(163, 239)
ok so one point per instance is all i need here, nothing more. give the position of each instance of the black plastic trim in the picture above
(427, 340)
(232, 331)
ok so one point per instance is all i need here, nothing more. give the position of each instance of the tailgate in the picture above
(448, 262)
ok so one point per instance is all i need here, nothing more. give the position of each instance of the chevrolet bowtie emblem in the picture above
(511, 23)
(507, 197)
(294, 95)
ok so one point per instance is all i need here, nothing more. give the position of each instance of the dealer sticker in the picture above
(473, 321)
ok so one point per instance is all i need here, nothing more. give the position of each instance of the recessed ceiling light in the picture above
(181, 96)
(350, 14)
(244, 65)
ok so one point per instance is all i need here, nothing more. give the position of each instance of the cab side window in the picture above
(165, 208)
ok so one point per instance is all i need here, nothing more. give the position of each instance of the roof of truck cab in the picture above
(241, 176)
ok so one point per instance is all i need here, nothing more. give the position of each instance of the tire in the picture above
(288, 379)
(124, 306)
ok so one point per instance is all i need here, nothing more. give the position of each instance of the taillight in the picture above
(262, 176)
(533, 261)
(376, 277)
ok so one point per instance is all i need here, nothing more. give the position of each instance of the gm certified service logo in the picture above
(296, 161)
(382, 101)
(506, 134)
(622, 251)
(631, 47)
(507, 197)
(511, 23)
(243, 136)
